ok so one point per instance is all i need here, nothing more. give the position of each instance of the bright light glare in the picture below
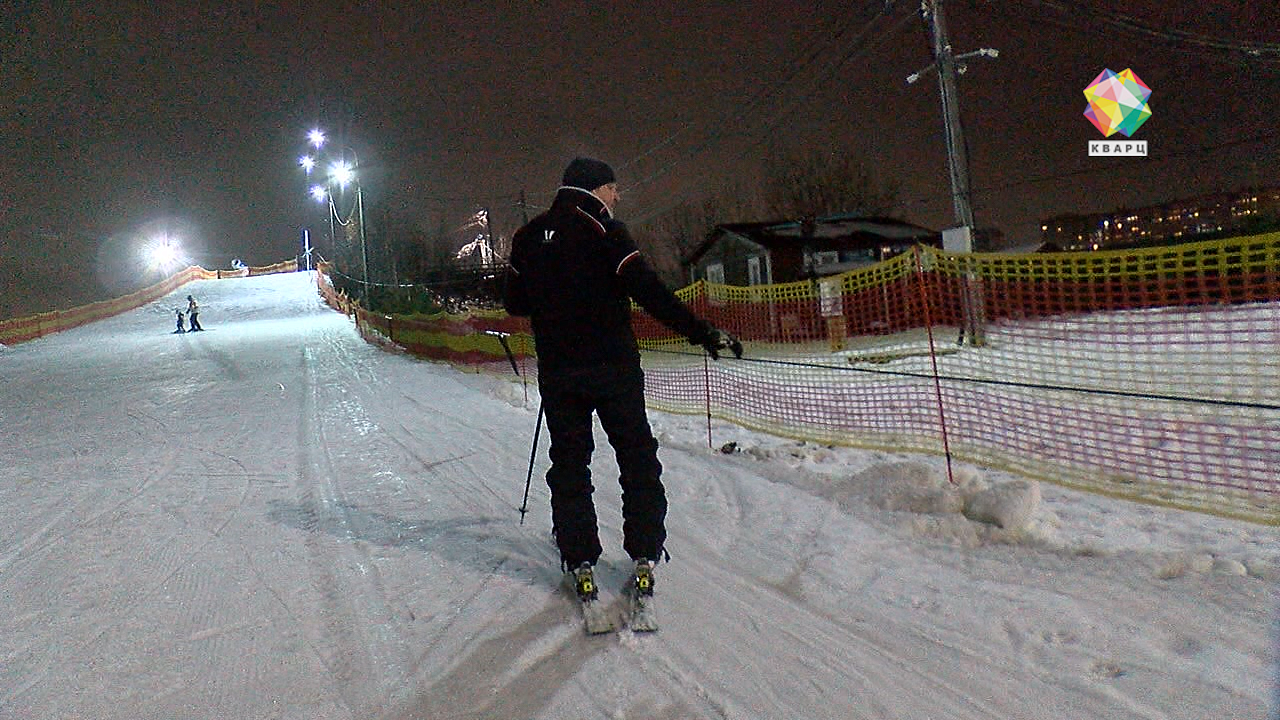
(318, 192)
(307, 162)
(163, 254)
(316, 137)
(342, 172)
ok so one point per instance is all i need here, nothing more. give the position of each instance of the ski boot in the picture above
(644, 578)
(596, 617)
(584, 583)
(643, 617)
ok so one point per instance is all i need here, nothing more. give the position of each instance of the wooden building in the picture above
(763, 253)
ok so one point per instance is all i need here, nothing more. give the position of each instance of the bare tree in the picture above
(814, 182)
(678, 232)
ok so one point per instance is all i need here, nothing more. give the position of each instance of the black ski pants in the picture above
(615, 394)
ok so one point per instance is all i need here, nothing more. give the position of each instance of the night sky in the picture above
(118, 117)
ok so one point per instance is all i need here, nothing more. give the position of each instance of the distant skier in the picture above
(180, 329)
(193, 314)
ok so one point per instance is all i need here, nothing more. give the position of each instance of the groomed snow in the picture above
(274, 519)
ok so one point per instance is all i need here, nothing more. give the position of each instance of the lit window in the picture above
(715, 273)
(826, 257)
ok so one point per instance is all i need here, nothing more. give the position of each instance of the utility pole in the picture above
(948, 65)
(957, 155)
(364, 249)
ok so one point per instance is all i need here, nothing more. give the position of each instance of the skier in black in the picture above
(193, 312)
(574, 271)
(180, 329)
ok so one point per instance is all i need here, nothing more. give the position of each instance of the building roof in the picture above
(835, 229)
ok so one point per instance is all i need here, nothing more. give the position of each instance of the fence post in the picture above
(706, 385)
(933, 357)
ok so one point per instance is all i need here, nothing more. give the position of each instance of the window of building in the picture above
(826, 257)
(715, 273)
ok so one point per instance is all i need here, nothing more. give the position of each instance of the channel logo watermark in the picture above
(1109, 148)
(1117, 104)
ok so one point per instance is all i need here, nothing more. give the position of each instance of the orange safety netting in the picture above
(19, 330)
(1149, 374)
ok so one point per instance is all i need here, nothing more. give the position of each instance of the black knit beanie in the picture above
(587, 173)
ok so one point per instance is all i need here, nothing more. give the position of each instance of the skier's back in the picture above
(574, 271)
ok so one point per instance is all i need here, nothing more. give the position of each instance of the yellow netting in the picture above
(1147, 374)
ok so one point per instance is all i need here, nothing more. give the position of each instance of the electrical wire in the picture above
(1098, 169)
(799, 64)
(858, 49)
(1266, 52)
(1000, 383)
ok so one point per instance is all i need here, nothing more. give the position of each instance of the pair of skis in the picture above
(639, 616)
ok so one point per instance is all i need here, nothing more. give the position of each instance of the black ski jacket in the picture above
(574, 270)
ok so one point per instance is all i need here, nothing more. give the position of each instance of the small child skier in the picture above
(180, 329)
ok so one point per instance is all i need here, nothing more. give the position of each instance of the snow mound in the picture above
(513, 394)
(968, 512)
(1184, 564)
(909, 487)
(1010, 506)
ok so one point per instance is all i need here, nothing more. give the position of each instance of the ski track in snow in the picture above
(274, 519)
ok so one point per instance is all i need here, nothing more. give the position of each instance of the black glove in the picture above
(717, 340)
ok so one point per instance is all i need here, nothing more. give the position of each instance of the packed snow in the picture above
(276, 519)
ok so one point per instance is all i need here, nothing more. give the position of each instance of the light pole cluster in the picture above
(337, 171)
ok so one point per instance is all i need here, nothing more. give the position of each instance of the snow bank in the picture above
(966, 510)
(1009, 506)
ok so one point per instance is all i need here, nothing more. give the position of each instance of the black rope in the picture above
(1004, 383)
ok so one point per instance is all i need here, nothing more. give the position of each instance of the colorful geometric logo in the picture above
(1117, 103)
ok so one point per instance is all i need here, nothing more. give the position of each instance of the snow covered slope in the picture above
(273, 519)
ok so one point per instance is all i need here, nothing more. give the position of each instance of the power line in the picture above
(1110, 169)
(809, 53)
(750, 109)
(1265, 52)
(857, 49)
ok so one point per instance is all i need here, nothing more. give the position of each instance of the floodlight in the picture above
(163, 253)
(342, 172)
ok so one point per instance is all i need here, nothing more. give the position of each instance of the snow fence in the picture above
(1150, 374)
(19, 330)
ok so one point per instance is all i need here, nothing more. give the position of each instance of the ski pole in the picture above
(502, 339)
(537, 430)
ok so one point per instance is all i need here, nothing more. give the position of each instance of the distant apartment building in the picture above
(1169, 223)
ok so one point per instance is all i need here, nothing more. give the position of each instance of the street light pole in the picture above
(342, 174)
(364, 250)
